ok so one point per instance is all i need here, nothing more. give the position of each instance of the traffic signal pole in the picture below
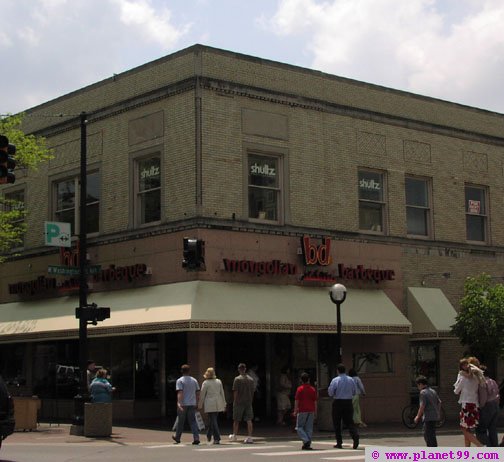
(82, 395)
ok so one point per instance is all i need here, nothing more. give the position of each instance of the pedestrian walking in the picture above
(357, 416)
(212, 401)
(305, 410)
(243, 396)
(489, 397)
(187, 388)
(428, 411)
(466, 386)
(342, 389)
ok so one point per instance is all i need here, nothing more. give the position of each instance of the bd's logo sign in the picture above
(316, 254)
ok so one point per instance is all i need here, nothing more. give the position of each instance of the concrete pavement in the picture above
(131, 435)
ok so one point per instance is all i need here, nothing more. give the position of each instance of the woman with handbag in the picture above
(212, 401)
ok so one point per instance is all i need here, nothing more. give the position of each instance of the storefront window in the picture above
(425, 361)
(176, 355)
(371, 201)
(56, 369)
(12, 364)
(121, 365)
(146, 370)
(326, 358)
(373, 363)
(264, 187)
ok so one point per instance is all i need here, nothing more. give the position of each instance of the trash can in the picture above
(26, 412)
(98, 419)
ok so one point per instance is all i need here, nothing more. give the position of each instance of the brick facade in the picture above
(203, 110)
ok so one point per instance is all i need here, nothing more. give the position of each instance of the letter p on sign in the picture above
(57, 234)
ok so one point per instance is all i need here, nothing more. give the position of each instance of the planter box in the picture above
(98, 419)
(25, 412)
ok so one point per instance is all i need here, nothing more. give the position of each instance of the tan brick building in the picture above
(294, 180)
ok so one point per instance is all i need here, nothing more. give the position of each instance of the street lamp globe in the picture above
(338, 293)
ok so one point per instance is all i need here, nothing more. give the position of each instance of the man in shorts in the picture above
(243, 395)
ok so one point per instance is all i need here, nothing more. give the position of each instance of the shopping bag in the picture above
(199, 421)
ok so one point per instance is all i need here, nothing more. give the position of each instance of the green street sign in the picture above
(62, 270)
(57, 234)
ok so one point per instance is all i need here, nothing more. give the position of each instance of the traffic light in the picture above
(7, 163)
(92, 313)
(194, 254)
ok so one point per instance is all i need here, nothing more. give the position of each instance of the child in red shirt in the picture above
(305, 410)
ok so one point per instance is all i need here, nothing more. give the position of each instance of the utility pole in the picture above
(82, 394)
(86, 313)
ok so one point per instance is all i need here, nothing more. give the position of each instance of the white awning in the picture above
(430, 312)
(203, 305)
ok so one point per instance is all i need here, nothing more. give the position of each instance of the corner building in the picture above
(294, 179)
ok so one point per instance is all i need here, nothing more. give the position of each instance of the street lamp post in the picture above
(338, 295)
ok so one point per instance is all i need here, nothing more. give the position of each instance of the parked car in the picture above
(6, 412)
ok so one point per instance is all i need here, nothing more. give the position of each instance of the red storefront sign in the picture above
(319, 255)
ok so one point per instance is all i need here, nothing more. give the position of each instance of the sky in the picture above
(447, 49)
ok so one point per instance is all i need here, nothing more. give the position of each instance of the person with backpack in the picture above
(488, 395)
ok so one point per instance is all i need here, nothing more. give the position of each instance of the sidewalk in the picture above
(54, 433)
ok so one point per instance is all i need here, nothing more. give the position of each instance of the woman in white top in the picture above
(212, 401)
(466, 387)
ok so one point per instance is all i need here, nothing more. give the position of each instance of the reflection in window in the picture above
(13, 206)
(263, 187)
(371, 201)
(476, 213)
(12, 364)
(56, 369)
(149, 190)
(146, 370)
(68, 202)
(424, 361)
(372, 363)
(417, 206)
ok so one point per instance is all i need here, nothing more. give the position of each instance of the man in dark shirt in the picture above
(243, 395)
(428, 410)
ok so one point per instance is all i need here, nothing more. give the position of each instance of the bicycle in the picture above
(411, 410)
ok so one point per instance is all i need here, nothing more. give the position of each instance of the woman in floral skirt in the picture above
(466, 387)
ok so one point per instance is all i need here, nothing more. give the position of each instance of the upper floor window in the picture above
(372, 201)
(264, 187)
(13, 206)
(476, 213)
(148, 190)
(68, 202)
(418, 214)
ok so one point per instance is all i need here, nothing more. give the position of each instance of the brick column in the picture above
(200, 353)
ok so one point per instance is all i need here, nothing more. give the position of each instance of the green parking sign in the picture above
(57, 234)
